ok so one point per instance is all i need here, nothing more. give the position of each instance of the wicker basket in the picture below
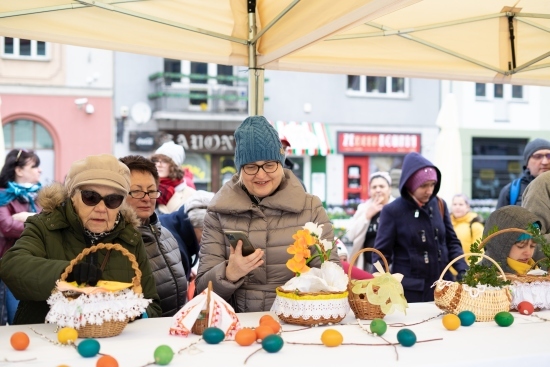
(532, 288)
(454, 297)
(107, 328)
(359, 303)
(310, 309)
(202, 321)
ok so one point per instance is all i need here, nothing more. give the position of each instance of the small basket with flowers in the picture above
(314, 296)
(101, 311)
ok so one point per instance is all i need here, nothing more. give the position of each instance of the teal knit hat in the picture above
(257, 140)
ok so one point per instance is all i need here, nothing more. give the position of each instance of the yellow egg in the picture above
(332, 338)
(451, 322)
(66, 335)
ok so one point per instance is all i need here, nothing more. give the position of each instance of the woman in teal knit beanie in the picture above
(269, 204)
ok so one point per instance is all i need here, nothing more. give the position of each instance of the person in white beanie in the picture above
(173, 185)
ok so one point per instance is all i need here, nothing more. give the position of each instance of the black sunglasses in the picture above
(92, 198)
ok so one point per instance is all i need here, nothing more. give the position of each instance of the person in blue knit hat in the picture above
(268, 203)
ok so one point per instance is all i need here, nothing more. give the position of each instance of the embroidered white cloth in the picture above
(330, 278)
(537, 293)
(315, 307)
(220, 315)
(95, 308)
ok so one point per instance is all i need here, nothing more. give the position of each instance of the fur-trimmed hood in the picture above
(54, 195)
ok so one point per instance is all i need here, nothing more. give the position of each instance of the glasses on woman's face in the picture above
(138, 194)
(268, 167)
(92, 198)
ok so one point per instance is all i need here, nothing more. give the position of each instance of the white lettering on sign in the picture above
(397, 141)
(213, 142)
(347, 140)
(145, 141)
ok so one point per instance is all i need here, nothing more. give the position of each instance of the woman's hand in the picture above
(375, 207)
(238, 265)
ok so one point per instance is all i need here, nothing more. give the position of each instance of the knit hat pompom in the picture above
(256, 140)
(103, 169)
(421, 176)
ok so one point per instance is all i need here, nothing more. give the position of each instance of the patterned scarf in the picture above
(167, 187)
(26, 192)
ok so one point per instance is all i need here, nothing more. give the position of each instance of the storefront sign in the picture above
(205, 141)
(357, 142)
(143, 141)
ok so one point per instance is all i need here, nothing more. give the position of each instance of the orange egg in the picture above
(245, 337)
(106, 361)
(19, 340)
(262, 331)
(272, 324)
(266, 317)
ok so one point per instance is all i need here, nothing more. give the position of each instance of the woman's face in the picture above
(96, 218)
(460, 207)
(163, 167)
(379, 189)
(29, 173)
(144, 182)
(262, 184)
(424, 192)
(522, 251)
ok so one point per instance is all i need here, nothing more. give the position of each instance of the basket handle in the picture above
(136, 280)
(486, 239)
(368, 249)
(471, 254)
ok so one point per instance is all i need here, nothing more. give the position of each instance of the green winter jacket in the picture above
(54, 237)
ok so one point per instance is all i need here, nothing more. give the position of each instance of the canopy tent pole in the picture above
(255, 74)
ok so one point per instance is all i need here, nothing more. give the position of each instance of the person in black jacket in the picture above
(415, 233)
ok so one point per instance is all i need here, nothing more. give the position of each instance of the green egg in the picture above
(406, 337)
(272, 343)
(213, 335)
(163, 355)
(504, 318)
(88, 348)
(467, 318)
(378, 326)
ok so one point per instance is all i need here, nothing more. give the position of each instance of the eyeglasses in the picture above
(268, 167)
(539, 156)
(92, 198)
(137, 194)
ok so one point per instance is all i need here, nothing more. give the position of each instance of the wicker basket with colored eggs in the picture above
(97, 312)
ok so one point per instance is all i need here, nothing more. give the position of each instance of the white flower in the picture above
(314, 229)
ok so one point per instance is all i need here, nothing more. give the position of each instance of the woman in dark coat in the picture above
(415, 235)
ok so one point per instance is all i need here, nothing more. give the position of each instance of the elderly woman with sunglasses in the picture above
(87, 210)
(267, 203)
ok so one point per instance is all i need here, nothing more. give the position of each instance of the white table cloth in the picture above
(525, 343)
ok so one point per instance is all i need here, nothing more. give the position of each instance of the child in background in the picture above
(513, 251)
(356, 273)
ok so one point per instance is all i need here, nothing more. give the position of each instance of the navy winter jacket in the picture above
(419, 242)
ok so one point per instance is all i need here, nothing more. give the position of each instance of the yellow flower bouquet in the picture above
(314, 296)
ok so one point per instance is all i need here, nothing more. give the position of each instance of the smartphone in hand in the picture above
(234, 236)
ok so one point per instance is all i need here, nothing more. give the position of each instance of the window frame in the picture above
(507, 93)
(34, 48)
(362, 92)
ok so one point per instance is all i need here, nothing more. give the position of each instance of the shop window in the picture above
(495, 163)
(24, 49)
(28, 134)
(375, 86)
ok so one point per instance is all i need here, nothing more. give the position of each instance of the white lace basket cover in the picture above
(96, 308)
(537, 293)
(316, 306)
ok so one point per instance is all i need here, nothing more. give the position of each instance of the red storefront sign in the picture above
(356, 142)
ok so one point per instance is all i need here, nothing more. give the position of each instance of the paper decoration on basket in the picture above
(534, 287)
(220, 315)
(389, 294)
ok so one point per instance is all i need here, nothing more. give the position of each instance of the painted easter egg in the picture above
(406, 337)
(213, 335)
(378, 326)
(525, 308)
(272, 343)
(106, 361)
(451, 321)
(467, 318)
(88, 348)
(67, 335)
(163, 355)
(504, 319)
(332, 338)
(19, 340)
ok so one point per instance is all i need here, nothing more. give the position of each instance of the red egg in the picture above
(525, 308)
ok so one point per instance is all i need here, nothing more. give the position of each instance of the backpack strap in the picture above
(441, 207)
(514, 191)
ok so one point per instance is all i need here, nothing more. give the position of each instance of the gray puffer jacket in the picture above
(269, 226)
(165, 259)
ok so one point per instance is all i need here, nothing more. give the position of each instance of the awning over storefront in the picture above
(306, 138)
